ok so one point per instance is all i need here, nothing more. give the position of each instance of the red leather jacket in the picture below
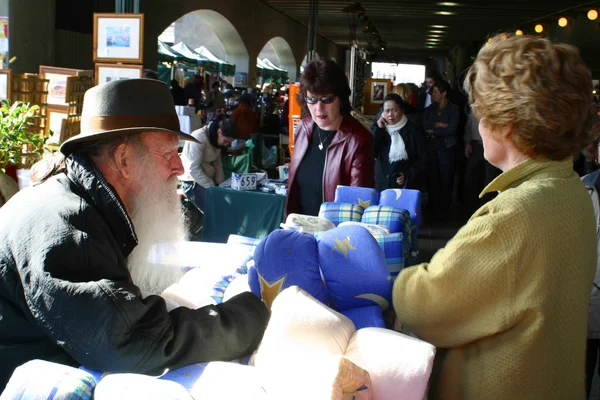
(349, 160)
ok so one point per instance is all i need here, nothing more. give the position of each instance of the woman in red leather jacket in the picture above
(330, 148)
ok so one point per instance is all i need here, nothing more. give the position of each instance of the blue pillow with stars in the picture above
(287, 258)
(354, 268)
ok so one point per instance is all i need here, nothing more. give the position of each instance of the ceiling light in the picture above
(434, 35)
(438, 26)
(437, 31)
(592, 14)
(433, 40)
(562, 22)
(519, 32)
(445, 12)
(449, 4)
(539, 28)
(431, 47)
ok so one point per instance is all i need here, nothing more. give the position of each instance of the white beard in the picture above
(158, 220)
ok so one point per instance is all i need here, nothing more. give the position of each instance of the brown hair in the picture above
(322, 77)
(542, 89)
(403, 90)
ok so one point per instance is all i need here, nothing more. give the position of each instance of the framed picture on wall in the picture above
(118, 37)
(57, 88)
(113, 72)
(378, 92)
(4, 84)
(56, 116)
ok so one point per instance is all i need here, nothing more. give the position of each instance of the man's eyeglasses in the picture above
(325, 100)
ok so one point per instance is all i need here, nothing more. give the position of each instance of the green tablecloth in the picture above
(228, 211)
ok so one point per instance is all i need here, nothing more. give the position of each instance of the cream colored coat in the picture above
(508, 295)
(201, 161)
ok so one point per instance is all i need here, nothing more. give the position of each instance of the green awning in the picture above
(209, 65)
(166, 53)
(225, 68)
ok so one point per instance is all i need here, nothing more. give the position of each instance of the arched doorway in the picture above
(279, 52)
(216, 33)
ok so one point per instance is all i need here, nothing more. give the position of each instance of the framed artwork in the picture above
(4, 84)
(118, 37)
(113, 72)
(378, 92)
(56, 116)
(57, 88)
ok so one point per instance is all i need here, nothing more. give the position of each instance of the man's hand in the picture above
(381, 122)
(441, 125)
(468, 150)
(400, 180)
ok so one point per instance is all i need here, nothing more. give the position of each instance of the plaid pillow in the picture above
(392, 245)
(395, 219)
(341, 212)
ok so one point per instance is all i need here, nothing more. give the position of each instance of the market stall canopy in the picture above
(209, 65)
(225, 68)
(282, 72)
(166, 53)
(265, 71)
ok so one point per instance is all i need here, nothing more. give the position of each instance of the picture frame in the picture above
(57, 87)
(56, 116)
(378, 92)
(108, 72)
(5, 84)
(118, 37)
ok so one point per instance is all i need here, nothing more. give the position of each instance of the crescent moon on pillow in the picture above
(383, 303)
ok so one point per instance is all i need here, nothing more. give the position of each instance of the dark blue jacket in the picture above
(66, 294)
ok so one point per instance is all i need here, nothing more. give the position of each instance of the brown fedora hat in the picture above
(126, 106)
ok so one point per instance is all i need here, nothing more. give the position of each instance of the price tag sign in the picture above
(243, 181)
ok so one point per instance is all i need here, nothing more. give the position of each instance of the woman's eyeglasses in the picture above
(325, 100)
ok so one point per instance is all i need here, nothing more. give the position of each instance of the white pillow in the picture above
(399, 365)
(307, 223)
(238, 285)
(226, 380)
(138, 387)
(373, 228)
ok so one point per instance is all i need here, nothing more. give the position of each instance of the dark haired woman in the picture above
(330, 148)
(399, 148)
(202, 161)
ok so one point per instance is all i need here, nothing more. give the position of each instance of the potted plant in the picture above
(20, 145)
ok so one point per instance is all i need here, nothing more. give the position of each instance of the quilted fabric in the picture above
(45, 380)
(364, 197)
(341, 212)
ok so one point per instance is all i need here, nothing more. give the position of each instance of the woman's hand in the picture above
(400, 180)
(381, 122)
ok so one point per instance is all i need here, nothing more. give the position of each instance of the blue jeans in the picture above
(194, 192)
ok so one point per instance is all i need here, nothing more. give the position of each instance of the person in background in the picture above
(425, 98)
(399, 148)
(202, 159)
(76, 286)
(331, 147)
(178, 93)
(215, 100)
(405, 92)
(246, 120)
(506, 300)
(440, 121)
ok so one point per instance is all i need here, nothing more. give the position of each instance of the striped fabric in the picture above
(392, 246)
(364, 197)
(39, 379)
(341, 212)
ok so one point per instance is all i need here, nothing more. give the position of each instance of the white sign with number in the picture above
(243, 181)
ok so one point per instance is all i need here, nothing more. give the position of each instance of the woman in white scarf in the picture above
(399, 147)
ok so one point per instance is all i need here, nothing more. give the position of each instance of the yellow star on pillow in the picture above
(343, 246)
(269, 291)
(364, 204)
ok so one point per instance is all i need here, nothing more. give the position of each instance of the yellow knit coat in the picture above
(506, 301)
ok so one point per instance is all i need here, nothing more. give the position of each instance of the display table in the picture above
(252, 214)
(189, 123)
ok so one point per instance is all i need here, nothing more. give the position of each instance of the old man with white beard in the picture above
(75, 284)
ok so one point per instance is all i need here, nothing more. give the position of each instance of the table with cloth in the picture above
(247, 213)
